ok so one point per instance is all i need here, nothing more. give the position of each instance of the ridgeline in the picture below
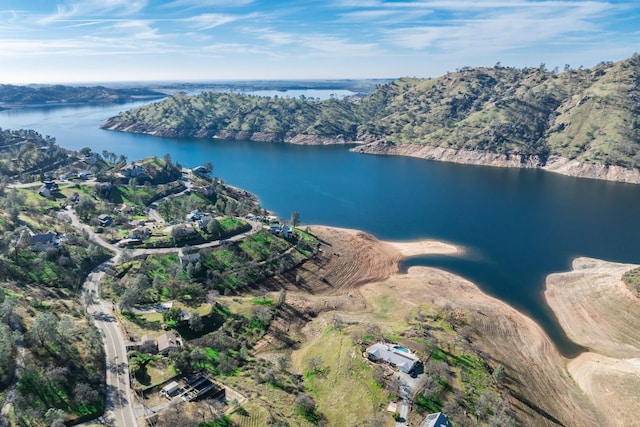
(581, 122)
(20, 96)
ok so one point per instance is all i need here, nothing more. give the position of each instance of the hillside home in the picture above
(134, 170)
(186, 259)
(42, 242)
(436, 420)
(48, 189)
(168, 342)
(200, 170)
(140, 233)
(183, 231)
(396, 356)
(105, 220)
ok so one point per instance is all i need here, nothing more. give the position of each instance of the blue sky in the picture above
(44, 41)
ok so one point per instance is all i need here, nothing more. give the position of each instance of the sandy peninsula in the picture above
(356, 271)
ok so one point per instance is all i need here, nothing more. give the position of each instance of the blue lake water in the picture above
(516, 225)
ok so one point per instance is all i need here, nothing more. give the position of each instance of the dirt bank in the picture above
(555, 164)
(599, 312)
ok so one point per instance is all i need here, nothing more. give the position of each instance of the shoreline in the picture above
(508, 336)
(554, 164)
(565, 389)
(598, 311)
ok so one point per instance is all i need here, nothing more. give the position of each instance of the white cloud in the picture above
(207, 3)
(71, 10)
(211, 20)
(136, 29)
(501, 30)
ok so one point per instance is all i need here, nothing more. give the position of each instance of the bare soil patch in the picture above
(595, 308)
(598, 311)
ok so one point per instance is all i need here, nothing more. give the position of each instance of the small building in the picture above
(42, 242)
(168, 342)
(48, 189)
(183, 231)
(186, 259)
(275, 228)
(204, 221)
(105, 220)
(200, 170)
(398, 357)
(170, 389)
(140, 233)
(194, 215)
(84, 175)
(134, 170)
(436, 420)
(287, 231)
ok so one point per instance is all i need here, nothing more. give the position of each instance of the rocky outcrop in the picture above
(555, 164)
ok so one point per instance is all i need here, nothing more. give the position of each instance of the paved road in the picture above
(120, 410)
(120, 405)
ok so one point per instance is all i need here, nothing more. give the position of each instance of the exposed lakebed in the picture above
(517, 226)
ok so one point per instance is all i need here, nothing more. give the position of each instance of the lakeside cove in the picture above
(546, 388)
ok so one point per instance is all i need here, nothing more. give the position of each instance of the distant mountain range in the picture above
(583, 122)
(16, 96)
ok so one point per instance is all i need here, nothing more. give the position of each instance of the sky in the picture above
(88, 41)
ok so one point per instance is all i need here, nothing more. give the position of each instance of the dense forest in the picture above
(585, 114)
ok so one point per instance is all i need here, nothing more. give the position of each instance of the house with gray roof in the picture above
(436, 420)
(396, 356)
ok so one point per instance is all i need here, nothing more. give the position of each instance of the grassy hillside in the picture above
(585, 114)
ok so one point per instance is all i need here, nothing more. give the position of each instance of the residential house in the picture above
(186, 259)
(396, 356)
(48, 189)
(287, 232)
(200, 170)
(194, 215)
(42, 242)
(204, 221)
(140, 233)
(91, 158)
(168, 342)
(436, 420)
(183, 231)
(134, 170)
(275, 228)
(105, 220)
(84, 175)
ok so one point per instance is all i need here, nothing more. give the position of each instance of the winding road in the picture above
(120, 406)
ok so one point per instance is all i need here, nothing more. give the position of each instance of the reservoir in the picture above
(517, 226)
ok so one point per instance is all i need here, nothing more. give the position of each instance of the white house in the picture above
(396, 356)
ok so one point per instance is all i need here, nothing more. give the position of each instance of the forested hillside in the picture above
(589, 115)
